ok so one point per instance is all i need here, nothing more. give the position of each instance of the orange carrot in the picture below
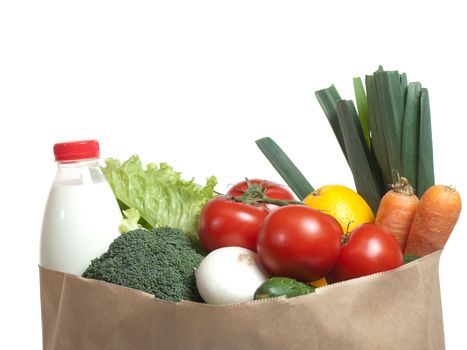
(434, 220)
(397, 209)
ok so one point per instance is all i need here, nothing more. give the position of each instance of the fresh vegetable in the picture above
(391, 132)
(271, 190)
(282, 286)
(362, 106)
(328, 98)
(410, 134)
(158, 193)
(385, 116)
(397, 210)
(426, 176)
(224, 222)
(409, 258)
(349, 132)
(361, 160)
(436, 215)
(132, 220)
(342, 203)
(159, 262)
(370, 249)
(229, 275)
(235, 219)
(299, 242)
(285, 167)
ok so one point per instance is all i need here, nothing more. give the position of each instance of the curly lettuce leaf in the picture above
(131, 220)
(158, 194)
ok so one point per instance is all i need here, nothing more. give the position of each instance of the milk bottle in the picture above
(82, 216)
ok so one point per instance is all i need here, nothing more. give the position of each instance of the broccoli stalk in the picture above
(160, 262)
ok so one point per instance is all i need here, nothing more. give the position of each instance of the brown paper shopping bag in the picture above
(399, 309)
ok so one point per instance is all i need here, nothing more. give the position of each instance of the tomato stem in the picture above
(256, 194)
(264, 199)
(345, 239)
(280, 202)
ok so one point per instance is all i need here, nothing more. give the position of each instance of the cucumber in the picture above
(409, 258)
(282, 286)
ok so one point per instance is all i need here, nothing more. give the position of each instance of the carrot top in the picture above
(402, 186)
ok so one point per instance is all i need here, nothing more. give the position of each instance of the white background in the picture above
(194, 84)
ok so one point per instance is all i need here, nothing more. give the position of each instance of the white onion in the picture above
(229, 275)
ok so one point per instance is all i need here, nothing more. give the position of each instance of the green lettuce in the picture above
(157, 196)
(131, 221)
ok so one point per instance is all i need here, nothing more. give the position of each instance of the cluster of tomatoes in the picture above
(294, 240)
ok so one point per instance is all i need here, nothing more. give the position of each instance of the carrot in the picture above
(434, 220)
(397, 209)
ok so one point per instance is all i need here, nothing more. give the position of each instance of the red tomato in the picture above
(299, 242)
(224, 222)
(272, 190)
(370, 249)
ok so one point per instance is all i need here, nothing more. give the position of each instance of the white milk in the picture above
(80, 222)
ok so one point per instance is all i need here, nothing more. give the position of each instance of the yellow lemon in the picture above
(343, 203)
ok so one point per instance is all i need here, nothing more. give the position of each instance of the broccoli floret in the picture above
(160, 262)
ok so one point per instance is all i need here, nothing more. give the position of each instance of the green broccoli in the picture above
(160, 262)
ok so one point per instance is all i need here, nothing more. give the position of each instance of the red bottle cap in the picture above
(76, 150)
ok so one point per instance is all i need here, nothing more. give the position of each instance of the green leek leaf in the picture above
(328, 98)
(376, 130)
(365, 178)
(404, 85)
(426, 176)
(391, 107)
(362, 107)
(285, 167)
(410, 134)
